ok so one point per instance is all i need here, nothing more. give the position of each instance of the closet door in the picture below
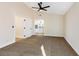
(28, 27)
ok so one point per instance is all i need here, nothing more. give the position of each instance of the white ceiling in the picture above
(55, 7)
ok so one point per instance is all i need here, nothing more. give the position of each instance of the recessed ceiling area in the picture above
(55, 7)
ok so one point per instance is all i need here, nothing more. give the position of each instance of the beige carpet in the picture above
(53, 46)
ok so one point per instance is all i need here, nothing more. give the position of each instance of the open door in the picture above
(28, 27)
(23, 27)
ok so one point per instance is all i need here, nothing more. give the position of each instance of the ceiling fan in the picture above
(41, 7)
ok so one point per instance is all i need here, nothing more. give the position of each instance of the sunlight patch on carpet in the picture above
(43, 50)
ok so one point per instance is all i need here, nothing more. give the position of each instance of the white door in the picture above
(28, 27)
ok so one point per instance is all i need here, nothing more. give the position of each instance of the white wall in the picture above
(6, 22)
(72, 27)
(8, 12)
(53, 25)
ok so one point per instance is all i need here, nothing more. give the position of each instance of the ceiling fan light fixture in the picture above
(40, 7)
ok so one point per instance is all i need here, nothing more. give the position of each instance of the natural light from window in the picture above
(43, 50)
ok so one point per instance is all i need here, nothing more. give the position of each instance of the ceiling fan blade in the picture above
(40, 2)
(39, 5)
(35, 7)
(46, 7)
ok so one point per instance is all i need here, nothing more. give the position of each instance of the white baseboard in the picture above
(53, 35)
(6, 44)
(72, 46)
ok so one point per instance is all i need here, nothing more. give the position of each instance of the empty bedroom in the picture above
(39, 28)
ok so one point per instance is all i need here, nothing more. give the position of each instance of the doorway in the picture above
(24, 28)
(39, 27)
